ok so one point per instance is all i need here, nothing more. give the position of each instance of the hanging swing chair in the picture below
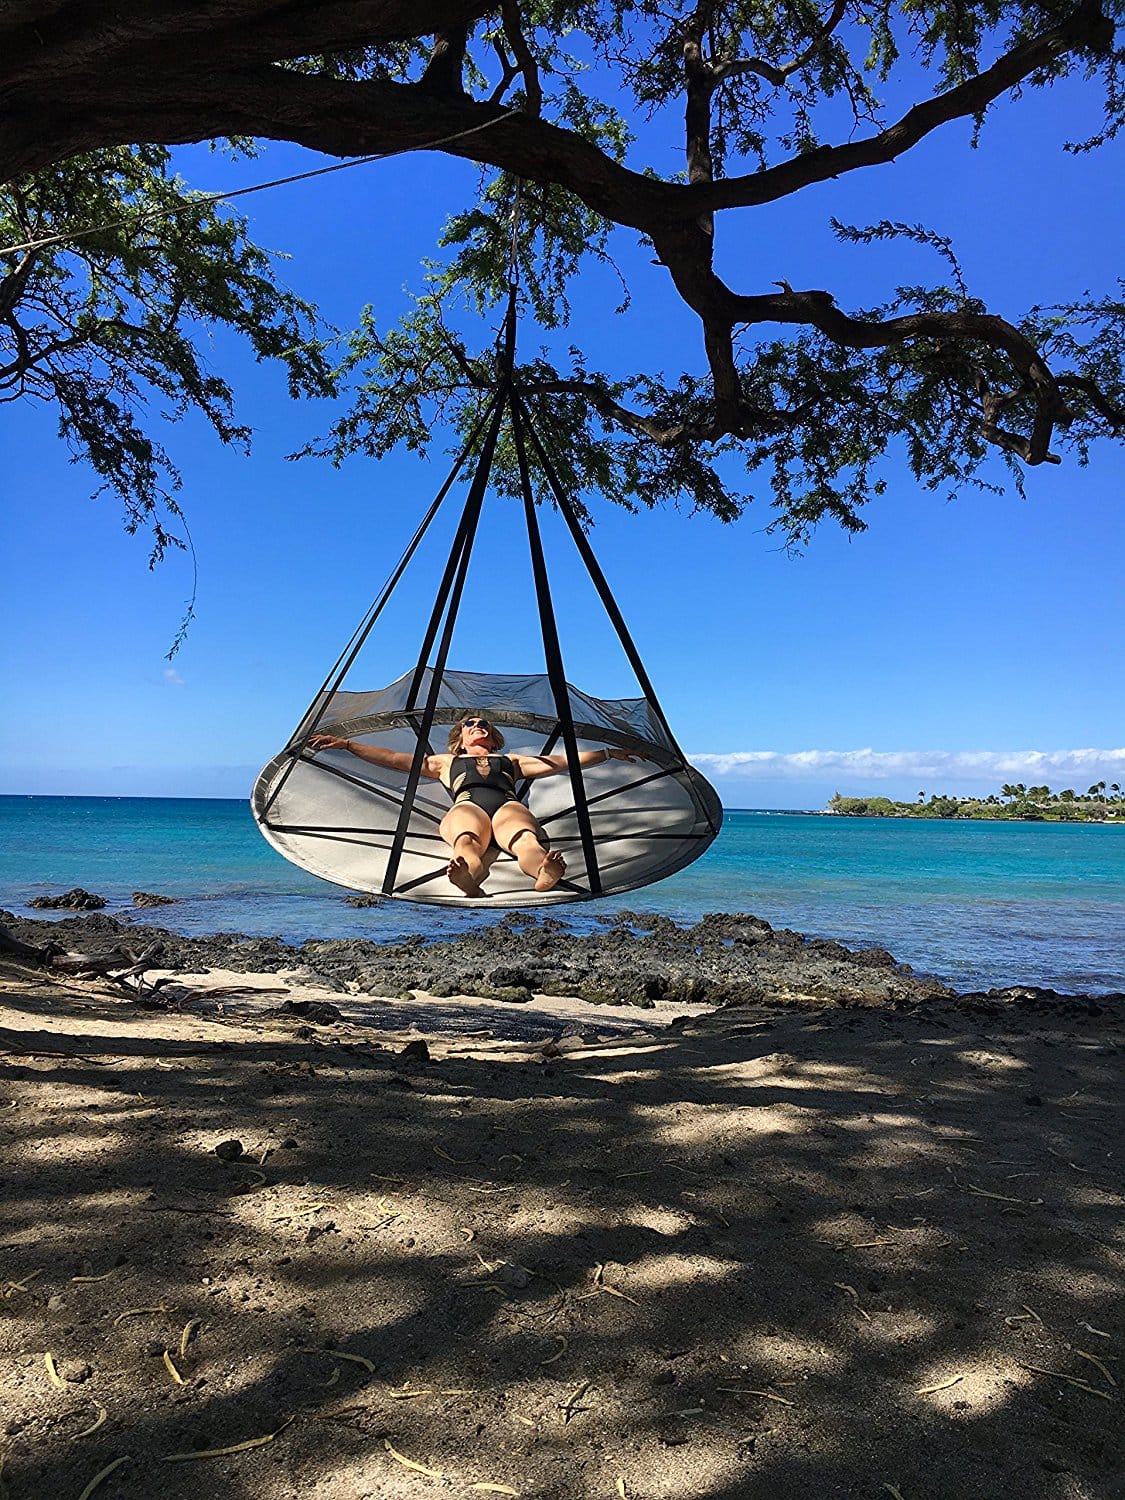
(619, 826)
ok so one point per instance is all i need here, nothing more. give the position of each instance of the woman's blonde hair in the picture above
(455, 730)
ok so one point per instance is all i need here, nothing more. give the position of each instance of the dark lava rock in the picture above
(364, 900)
(229, 1150)
(320, 1012)
(414, 1055)
(150, 898)
(75, 900)
(874, 958)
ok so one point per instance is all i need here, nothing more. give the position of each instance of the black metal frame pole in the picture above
(552, 650)
(344, 661)
(458, 566)
(605, 594)
(492, 415)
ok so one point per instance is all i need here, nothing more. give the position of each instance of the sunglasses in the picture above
(475, 724)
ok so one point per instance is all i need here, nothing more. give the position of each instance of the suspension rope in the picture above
(204, 199)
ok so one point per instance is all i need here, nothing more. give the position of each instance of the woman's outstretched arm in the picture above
(532, 766)
(390, 760)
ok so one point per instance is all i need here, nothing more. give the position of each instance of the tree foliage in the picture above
(770, 98)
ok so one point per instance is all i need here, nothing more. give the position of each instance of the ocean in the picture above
(977, 904)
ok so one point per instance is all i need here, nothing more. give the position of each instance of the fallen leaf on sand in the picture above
(103, 1474)
(186, 1335)
(1094, 1360)
(355, 1359)
(1089, 1327)
(408, 1463)
(854, 1295)
(1083, 1385)
(98, 1421)
(170, 1367)
(563, 1343)
(52, 1374)
(940, 1385)
(743, 1390)
(258, 1442)
(138, 1312)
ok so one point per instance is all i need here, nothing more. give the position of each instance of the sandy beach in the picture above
(455, 1245)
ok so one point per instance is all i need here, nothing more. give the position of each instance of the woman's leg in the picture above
(515, 830)
(468, 832)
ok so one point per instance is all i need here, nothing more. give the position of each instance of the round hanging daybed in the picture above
(620, 825)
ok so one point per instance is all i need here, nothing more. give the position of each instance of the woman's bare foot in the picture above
(463, 878)
(551, 871)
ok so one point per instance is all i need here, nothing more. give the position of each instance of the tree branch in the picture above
(1089, 29)
(513, 30)
(772, 73)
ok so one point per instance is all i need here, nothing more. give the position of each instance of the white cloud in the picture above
(1029, 766)
(173, 677)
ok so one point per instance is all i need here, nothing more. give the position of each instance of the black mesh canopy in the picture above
(619, 825)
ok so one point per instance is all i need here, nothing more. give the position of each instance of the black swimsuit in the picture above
(488, 790)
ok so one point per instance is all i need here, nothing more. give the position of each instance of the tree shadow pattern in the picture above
(775, 1252)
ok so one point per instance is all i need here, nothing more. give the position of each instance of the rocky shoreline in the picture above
(637, 960)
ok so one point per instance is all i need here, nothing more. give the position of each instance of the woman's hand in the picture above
(328, 742)
(629, 755)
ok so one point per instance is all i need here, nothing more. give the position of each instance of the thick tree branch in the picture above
(1089, 29)
(513, 30)
(183, 101)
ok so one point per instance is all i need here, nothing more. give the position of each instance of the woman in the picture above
(486, 815)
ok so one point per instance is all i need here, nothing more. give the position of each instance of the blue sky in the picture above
(953, 646)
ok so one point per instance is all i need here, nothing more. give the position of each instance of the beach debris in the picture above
(188, 1334)
(257, 1442)
(939, 1385)
(1083, 1385)
(893, 1490)
(570, 1406)
(23, 1284)
(171, 1368)
(620, 1487)
(409, 1463)
(250, 1184)
(601, 1286)
(52, 1372)
(980, 1192)
(1028, 1314)
(98, 1421)
(1094, 1360)
(494, 1489)
(743, 1390)
(139, 1312)
(355, 1359)
(229, 1150)
(103, 1277)
(563, 1343)
(103, 1474)
(851, 1292)
(1100, 1333)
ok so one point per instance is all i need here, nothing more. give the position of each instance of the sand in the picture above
(778, 1251)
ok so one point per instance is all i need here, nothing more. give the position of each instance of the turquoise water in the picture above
(979, 904)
